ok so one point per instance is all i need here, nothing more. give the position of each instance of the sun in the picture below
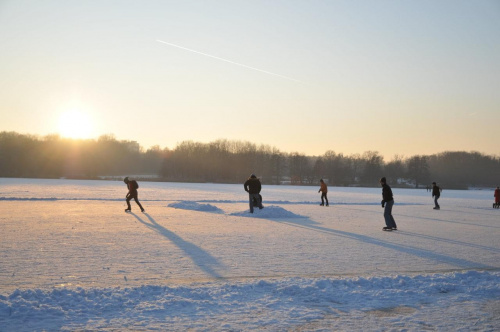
(75, 124)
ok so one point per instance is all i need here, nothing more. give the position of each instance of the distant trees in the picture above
(233, 161)
(335, 168)
(222, 161)
(372, 168)
(396, 169)
(418, 170)
(465, 169)
(54, 157)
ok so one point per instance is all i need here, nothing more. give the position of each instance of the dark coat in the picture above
(386, 193)
(436, 191)
(252, 186)
(132, 186)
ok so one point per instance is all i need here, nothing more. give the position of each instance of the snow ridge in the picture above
(280, 303)
(189, 205)
(268, 212)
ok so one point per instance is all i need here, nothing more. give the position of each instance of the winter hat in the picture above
(383, 180)
(252, 176)
(433, 182)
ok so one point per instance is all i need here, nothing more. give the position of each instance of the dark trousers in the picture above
(257, 197)
(389, 219)
(129, 197)
(323, 198)
(436, 201)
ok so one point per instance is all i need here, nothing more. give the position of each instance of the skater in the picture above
(436, 193)
(252, 187)
(496, 205)
(132, 193)
(324, 191)
(387, 203)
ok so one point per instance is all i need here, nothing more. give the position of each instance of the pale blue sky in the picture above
(398, 77)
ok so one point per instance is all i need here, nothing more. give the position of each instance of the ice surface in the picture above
(72, 259)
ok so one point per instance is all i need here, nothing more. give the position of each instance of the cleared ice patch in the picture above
(271, 211)
(195, 206)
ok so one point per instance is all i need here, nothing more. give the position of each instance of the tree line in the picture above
(228, 161)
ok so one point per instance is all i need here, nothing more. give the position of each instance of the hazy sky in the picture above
(398, 77)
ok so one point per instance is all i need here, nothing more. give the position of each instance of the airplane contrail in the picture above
(232, 62)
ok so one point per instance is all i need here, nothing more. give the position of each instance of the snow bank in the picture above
(195, 206)
(269, 212)
(275, 304)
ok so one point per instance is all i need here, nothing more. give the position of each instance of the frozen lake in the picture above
(198, 260)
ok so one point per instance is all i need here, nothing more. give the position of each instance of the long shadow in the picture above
(432, 219)
(490, 209)
(200, 257)
(424, 253)
(461, 243)
(449, 221)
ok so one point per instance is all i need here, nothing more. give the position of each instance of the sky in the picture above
(397, 77)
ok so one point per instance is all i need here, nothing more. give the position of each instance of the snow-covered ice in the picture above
(72, 259)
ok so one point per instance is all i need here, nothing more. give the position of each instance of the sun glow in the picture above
(75, 124)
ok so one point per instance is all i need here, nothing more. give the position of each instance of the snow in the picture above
(72, 259)
(274, 212)
(195, 207)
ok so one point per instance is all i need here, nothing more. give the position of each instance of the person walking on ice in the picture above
(436, 193)
(324, 190)
(252, 187)
(496, 205)
(132, 186)
(387, 203)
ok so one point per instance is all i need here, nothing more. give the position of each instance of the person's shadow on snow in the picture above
(200, 257)
(308, 224)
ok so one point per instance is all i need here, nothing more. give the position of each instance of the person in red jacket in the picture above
(496, 205)
(324, 190)
(132, 186)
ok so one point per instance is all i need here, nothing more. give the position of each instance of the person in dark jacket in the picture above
(252, 187)
(436, 193)
(132, 193)
(387, 203)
